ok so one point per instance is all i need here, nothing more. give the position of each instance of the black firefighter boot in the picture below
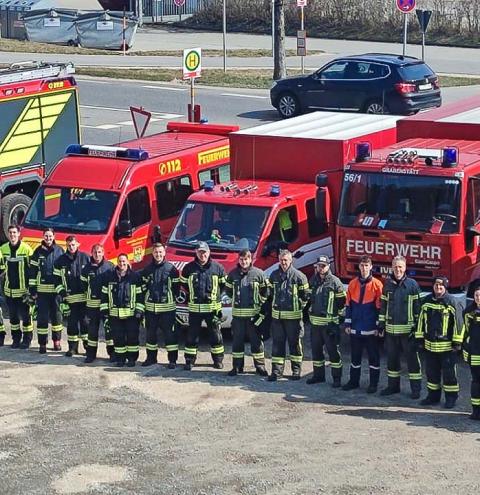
(2, 339)
(111, 353)
(16, 338)
(393, 387)
(91, 354)
(354, 381)
(318, 375)
(475, 413)
(450, 400)
(415, 387)
(26, 340)
(151, 358)
(337, 377)
(72, 349)
(433, 397)
(374, 376)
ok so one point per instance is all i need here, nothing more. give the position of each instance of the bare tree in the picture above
(279, 66)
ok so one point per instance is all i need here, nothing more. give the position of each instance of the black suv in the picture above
(370, 83)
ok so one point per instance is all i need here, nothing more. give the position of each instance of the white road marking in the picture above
(245, 96)
(166, 88)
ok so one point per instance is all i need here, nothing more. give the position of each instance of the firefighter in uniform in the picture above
(399, 310)
(92, 278)
(15, 256)
(440, 330)
(204, 280)
(122, 302)
(327, 300)
(289, 296)
(248, 289)
(471, 350)
(68, 272)
(161, 286)
(361, 323)
(42, 283)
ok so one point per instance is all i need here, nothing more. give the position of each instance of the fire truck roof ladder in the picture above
(26, 71)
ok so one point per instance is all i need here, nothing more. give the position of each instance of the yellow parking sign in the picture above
(192, 63)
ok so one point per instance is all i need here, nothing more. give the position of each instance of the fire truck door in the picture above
(133, 227)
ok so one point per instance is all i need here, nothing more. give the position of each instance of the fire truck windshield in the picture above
(71, 209)
(223, 226)
(400, 202)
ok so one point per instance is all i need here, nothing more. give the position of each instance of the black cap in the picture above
(441, 279)
(203, 246)
(323, 260)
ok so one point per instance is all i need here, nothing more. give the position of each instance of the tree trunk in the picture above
(279, 67)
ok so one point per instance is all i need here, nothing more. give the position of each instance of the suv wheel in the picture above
(288, 106)
(376, 107)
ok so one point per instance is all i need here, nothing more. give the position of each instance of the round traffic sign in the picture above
(192, 60)
(406, 6)
(179, 3)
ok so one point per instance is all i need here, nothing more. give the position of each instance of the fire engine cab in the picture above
(419, 198)
(127, 196)
(271, 203)
(39, 118)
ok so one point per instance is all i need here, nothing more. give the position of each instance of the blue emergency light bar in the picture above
(362, 152)
(449, 157)
(208, 185)
(107, 152)
(275, 190)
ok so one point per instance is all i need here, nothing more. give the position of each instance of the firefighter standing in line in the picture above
(399, 310)
(327, 300)
(68, 270)
(247, 287)
(161, 285)
(15, 256)
(289, 297)
(471, 350)
(42, 283)
(92, 278)
(440, 329)
(361, 323)
(123, 304)
(204, 281)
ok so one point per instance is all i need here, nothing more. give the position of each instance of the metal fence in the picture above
(157, 9)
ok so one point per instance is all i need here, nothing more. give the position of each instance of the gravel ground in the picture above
(68, 428)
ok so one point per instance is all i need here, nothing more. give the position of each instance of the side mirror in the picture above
(321, 206)
(473, 231)
(157, 234)
(124, 229)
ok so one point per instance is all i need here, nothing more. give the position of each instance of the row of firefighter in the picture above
(85, 292)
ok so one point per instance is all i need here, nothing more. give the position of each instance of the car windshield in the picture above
(223, 227)
(71, 209)
(400, 202)
(415, 72)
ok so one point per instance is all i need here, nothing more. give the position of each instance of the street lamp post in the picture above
(224, 35)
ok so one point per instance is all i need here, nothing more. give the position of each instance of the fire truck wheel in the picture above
(375, 106)
(288, 105)
(14, 207)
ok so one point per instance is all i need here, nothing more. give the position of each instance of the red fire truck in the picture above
(128, 195)
(39, 118)
(271, 202)
(419, 198)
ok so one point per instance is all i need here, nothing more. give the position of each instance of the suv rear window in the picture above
(415, 72)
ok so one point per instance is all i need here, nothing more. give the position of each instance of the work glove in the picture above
(420, 344)
(28, 299)
(65, 309)
(456, 347)
(138, 315)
